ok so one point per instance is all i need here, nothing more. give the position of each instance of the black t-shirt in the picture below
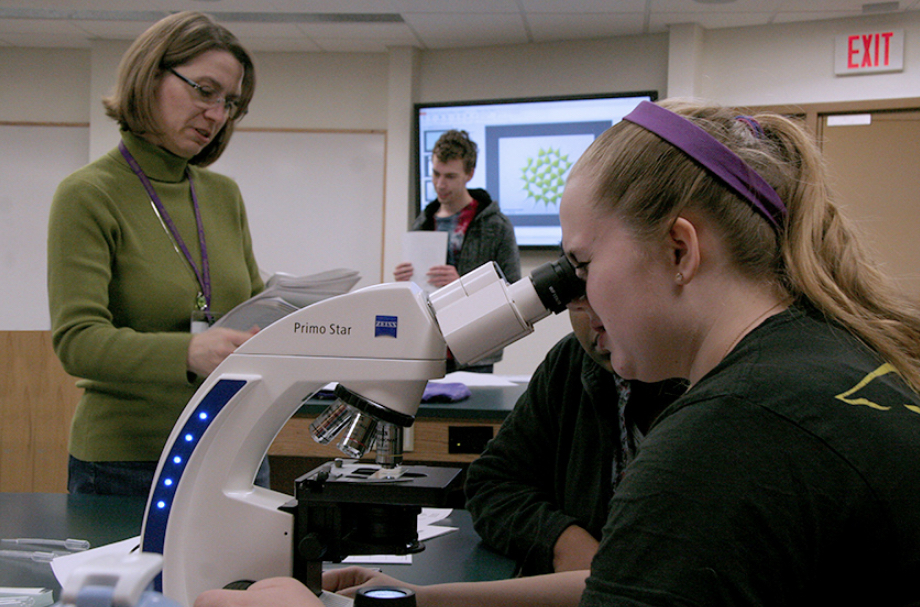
(789, 475)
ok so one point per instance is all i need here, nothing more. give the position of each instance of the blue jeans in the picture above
(124, 478)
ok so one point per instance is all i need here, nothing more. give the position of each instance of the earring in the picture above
(679, 278)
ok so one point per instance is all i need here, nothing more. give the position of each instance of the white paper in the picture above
(379, 559)
(424, 250)
(62, 566)
(426, 533)
(284, 294)
(430, 516)
(475, 379)
(426, 523)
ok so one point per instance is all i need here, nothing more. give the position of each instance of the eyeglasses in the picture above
(207, 97)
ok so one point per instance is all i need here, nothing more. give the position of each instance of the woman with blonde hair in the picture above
(712, 250)
(788, 473)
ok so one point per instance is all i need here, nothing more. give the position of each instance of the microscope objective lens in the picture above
(331, 421)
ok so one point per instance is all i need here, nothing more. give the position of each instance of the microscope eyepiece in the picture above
(557, 284)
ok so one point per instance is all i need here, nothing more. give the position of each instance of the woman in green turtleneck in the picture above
(142, 240)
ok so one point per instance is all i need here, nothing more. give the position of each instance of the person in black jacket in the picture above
(540, 492)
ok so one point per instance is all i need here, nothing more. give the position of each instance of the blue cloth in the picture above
(445, 392)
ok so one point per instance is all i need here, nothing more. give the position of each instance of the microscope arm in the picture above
(382, 343)
(204, 515)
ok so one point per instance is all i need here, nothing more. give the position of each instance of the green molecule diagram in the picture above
(544, 176)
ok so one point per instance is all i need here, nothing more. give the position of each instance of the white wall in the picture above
(778, 64)
(103, 131)
(320, 91)
(25, 197)
(44, 85)
(628, 63)
(794, 63)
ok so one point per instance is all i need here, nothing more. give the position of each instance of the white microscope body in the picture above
(205, 516)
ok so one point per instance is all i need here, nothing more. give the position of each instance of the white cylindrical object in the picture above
(528, 303)
(466, 285)
(481, 324)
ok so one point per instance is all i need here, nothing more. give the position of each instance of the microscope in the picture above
(381, 344)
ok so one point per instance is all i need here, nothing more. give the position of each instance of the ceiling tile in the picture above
(320, 6)
(824, 6)
(799, 16)
(467, 29)
(547, 28)
(352, 45)
(584, 6)
(300, 44)
(33, 26)
(110, 30)
(45, 41)
(456, 6)
(660, 21)
(359, 30)
(735, 6)
(427, 23)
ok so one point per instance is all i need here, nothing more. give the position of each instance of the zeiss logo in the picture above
(385, 326)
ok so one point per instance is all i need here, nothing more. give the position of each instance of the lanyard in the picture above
(203, 301)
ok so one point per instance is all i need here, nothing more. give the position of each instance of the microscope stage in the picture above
(362, 482)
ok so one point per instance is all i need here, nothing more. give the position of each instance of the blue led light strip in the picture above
(181, 450)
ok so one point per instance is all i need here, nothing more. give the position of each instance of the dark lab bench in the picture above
(455, 557)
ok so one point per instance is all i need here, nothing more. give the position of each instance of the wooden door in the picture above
(875, 169)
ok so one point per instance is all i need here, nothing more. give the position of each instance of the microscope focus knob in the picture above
(311, 547)
(389, 596)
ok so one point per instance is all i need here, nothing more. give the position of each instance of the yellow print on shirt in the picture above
(848, 398)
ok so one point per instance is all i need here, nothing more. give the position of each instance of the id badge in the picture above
(201, 321)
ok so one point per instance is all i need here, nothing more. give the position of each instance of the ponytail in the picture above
(828, 266)
(813, 256)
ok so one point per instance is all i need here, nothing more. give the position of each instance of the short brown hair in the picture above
(456, 144)
(171, 42)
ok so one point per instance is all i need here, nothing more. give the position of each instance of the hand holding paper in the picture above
(424, 250)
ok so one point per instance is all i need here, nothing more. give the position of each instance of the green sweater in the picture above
(121, 296)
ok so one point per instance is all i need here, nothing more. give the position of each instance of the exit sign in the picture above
(869, 53)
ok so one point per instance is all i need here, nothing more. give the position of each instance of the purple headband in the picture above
(713, 156)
